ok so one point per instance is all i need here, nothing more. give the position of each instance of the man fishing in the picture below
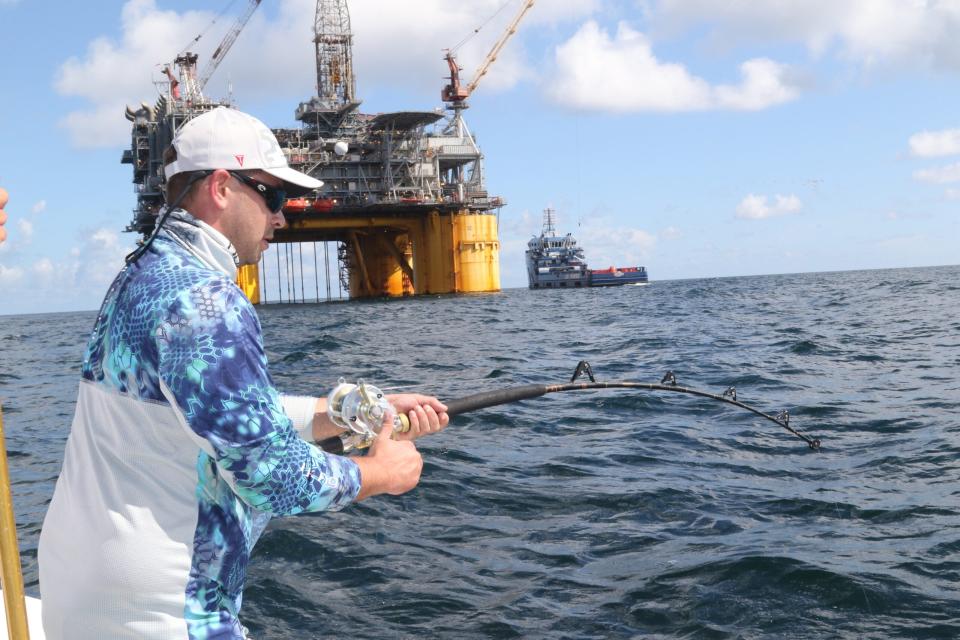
(181, 448)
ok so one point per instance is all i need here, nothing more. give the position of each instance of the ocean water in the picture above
(610, 514)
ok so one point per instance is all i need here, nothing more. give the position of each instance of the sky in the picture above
(699, 138)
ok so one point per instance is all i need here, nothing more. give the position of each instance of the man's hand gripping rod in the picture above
(360, 409)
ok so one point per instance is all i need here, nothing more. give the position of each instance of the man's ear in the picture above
(217, 189)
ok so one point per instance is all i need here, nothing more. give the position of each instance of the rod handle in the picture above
(492, 398)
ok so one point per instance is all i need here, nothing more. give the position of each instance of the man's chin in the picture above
(255, 253)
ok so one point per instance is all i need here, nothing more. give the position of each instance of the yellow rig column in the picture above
(433, 264)
(248, 279)
(456, 254)
(478, 252)
(426, 253)
(378, 265)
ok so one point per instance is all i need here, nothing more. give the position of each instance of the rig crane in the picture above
(228, 40)
(455, 93)
(153, 127)
(193, 83)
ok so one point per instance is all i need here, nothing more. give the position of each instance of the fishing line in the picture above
(457, 46)
(208, 27)
(360, 408)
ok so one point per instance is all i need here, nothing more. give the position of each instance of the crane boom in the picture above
(495, 51)
(228, 41)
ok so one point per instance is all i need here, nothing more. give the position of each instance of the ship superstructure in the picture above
(555, 261)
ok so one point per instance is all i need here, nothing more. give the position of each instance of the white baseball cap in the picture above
(225, 138)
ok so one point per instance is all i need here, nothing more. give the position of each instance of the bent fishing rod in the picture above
(360, 408)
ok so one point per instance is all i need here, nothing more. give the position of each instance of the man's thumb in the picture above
(386, 430)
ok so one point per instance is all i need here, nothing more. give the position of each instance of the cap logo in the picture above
(239, 159)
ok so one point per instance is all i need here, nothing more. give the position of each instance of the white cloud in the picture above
(113, 74)
(395, 46)
(44, 270)
(25, 227)
(10, 275)
(590, 63)
(68, 279)
(939, 175)
(594, 71)
(99, 259)
(606, 245)
(763, 86)
(104, 238)
(952, 194)
(555, 11)
(758, 207)
(399, 46)
(867, 32)
(39, 207)
(515, 230)
(430, 26)
(44, 266)
(929, 144)
(99, 126)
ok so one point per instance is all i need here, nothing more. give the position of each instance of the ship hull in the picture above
(559, 280)
(618, 277)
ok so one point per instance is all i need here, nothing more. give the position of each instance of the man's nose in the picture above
(279, 222)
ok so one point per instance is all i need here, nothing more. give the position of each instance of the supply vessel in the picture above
(557, 262)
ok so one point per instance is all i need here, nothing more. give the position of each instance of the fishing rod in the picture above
(360, 408)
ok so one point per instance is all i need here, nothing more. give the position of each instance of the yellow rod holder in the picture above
(12, 575)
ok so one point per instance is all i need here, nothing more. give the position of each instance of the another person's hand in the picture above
(3, 215)
(390, 466)
(426, 414)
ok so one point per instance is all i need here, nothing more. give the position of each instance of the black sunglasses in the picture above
(275, 197)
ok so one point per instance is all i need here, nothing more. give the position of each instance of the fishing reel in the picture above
(361, 409)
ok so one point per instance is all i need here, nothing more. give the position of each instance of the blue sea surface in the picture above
(607, 514)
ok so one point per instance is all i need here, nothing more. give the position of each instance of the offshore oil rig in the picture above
(404, 197)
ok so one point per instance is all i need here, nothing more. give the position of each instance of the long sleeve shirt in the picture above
(180, 451)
